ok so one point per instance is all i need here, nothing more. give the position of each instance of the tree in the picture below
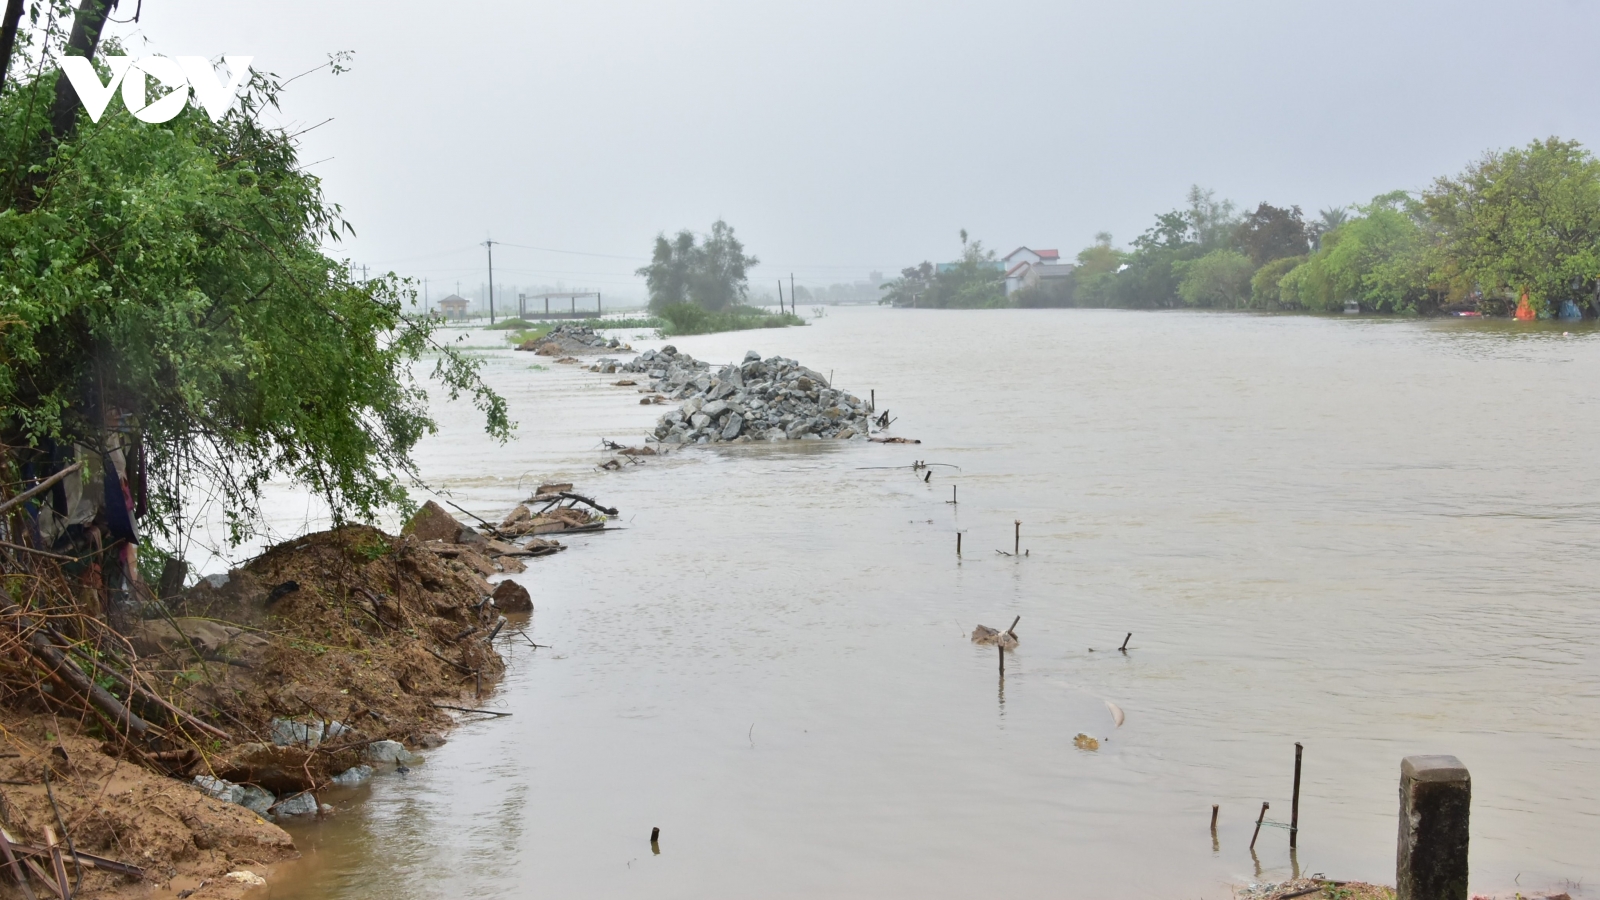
(1525, 220)
(912, 283)
(1211, 221)
(972, 282)
(1384, 259)
(671, 264)
(1264, 290)
(1099, 257)
(1220, 279)
(1272, 233)
(714, 275)
(1327, 220)
(165, 285)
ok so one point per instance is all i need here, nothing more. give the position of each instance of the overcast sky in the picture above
(841, 137)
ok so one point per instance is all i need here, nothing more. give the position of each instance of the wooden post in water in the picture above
(958, 543)
(1259, 819)
(1016, 546)
(952, 493)
(872, 406)
(1294, 804)
(1124, 647)
(1213, 818)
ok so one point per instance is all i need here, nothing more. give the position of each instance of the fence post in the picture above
(1435, 799)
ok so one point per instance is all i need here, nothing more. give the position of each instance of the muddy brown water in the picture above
(1375, 537)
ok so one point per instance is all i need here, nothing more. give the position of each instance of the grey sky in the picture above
(839, 137)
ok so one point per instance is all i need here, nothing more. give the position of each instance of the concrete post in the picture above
(1435, 799)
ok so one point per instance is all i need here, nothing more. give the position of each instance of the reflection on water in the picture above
(1373, 537)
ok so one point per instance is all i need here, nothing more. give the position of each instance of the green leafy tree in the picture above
(1220, 280)
(1525, 220)
(914, 281)
(1264, 290)
(713, 274)
(167, 283)
(670, 270)
(1383, 259)
(1100, 257)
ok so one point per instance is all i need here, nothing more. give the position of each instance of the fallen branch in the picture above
(610, 511)
(67, 673)
(38, 552)
(487, 712)
(447, 662)
(41, 487)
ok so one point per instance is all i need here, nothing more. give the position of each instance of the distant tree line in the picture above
(975, 281)
(1519, 226)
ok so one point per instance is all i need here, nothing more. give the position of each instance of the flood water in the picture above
(1376, 538)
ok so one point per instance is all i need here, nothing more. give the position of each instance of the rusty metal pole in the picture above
(1294, 804)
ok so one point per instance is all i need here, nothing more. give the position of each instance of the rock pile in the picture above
(570, 338)
(775, 399)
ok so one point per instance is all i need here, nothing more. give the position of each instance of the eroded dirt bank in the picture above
(328, 660)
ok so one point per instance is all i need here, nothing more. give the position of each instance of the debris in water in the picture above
(1085, 742)
(1116, 713)
(1007, 639)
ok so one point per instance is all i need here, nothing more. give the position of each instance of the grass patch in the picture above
(509, 324)
(688, 318)
(646, 322)
(528, 334)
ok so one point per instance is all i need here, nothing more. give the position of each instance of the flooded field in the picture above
(1377, 538)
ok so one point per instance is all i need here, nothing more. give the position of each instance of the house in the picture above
(1025, 267)
(453, 307)
(1036, 257)
(1034, 275)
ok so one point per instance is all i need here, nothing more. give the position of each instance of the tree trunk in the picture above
(85, 39)
(8, 37)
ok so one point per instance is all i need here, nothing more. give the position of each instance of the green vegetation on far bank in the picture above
(1516, 231)
(688, 318)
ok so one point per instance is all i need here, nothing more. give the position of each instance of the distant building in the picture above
(1037, 257)
(453, 307)
(1025, 268)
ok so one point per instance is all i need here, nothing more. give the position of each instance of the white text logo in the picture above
(178, 74)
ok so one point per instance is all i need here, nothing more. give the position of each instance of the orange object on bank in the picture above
(1525, 311)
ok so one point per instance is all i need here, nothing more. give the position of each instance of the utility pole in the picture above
(490, 246)
(793, 310)
(780, 296)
